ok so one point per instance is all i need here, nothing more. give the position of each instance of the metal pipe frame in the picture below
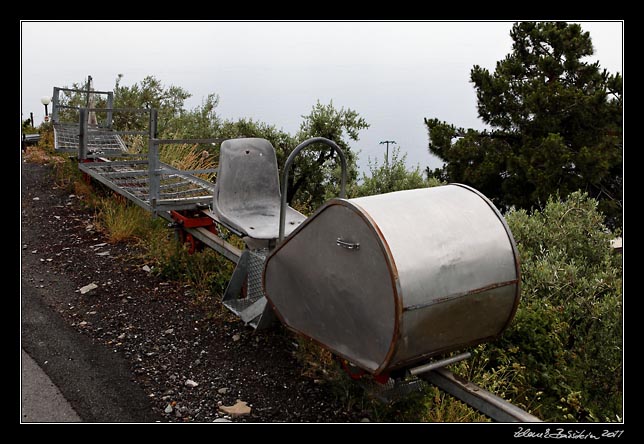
(438, 364)
(289, 163)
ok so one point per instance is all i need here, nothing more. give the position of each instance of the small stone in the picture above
(240, 408)
(24, 247)
(103, 253)
(121, 336)
(223, 390)
(34, 251)
(191, 383)
(169, 331)
(49, 259)
(99, 245)
(222, 420)
(36, 198)
(83, 323)
(146, 268)
(236, 338)
(365, 420)
(91, 312)
(168, 409)
(57, 217)
(71, 196)
(88, 288)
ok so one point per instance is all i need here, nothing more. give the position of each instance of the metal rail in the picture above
(496, 408)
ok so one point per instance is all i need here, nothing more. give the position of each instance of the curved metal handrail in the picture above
(287, 167)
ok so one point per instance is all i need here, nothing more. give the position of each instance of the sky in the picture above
(393, 74)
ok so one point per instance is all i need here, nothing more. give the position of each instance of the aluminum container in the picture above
(388, 281)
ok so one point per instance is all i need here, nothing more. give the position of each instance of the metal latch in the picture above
(347, 245)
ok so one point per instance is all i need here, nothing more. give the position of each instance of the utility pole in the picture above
(387, 155)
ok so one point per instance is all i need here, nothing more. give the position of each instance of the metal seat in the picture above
(247, 193)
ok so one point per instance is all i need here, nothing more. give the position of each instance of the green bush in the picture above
(391, 176)
(567, 334)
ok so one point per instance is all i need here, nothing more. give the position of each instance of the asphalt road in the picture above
(91, 377)
(41, 400)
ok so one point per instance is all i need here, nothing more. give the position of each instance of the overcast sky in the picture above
(392, 73)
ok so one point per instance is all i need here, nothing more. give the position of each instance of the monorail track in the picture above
(182, 198)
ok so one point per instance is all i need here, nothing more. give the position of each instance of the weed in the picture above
(122, 221)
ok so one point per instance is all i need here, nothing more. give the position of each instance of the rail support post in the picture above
(82, 135)
(153, 163)
(110, 106)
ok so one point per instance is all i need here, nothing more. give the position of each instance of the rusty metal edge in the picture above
(395, 281)
(393, 272)
(420, 358)
(454, 296)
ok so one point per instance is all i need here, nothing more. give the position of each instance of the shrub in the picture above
(391, 176)
(567, 334)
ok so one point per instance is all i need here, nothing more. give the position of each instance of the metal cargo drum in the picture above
(390, 280)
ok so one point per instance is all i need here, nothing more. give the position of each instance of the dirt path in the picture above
(124, 350)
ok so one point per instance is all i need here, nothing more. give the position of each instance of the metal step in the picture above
(252, 309)
(239, 306)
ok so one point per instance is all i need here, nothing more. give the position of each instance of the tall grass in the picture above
(188, 157)
(122, 221)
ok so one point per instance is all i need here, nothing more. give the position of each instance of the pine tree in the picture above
(556, 124)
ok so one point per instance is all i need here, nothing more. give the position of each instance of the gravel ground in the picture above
(166, 338)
